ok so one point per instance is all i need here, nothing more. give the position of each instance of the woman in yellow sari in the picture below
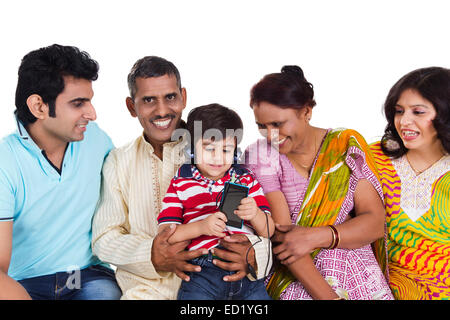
(414, 166)
(324, 194)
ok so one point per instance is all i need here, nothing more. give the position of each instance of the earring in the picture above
(237, 155)
(190, 154)
(192, 157)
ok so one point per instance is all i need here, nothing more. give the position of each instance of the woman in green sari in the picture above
(324, 194)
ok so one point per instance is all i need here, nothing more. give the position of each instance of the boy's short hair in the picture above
(214, 117)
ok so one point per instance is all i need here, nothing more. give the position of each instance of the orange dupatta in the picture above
(327, 190)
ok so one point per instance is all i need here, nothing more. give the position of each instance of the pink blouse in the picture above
(352, 273)
(276, 173)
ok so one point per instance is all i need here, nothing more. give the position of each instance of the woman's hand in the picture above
(296, 242)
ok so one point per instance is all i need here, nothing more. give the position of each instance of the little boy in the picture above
(193, 198)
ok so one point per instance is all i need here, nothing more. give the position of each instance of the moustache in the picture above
(167, 116)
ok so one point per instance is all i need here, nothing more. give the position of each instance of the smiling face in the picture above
(413, 121)
(73, 110)
(284, 128)
(158, 104)
(214, 158)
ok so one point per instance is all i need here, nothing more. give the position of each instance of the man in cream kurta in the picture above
(135, 179)
(134, 182)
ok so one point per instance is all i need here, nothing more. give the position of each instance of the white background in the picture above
(352, 51)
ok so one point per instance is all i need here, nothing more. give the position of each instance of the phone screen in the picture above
(232, 196)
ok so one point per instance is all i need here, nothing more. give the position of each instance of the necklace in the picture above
(308, 167)
(418, 172)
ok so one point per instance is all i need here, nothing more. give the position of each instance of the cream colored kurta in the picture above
(134, 183)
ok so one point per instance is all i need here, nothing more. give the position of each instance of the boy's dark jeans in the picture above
(208, 284)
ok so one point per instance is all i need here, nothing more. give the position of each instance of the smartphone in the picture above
(232, 195)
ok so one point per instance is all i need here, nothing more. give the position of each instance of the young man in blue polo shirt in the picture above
(50, 171)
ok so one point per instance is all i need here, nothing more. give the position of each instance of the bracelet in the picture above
(336, 238)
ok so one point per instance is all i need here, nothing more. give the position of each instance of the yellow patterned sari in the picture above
(418, 240)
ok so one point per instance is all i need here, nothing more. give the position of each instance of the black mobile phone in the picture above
(232, 195)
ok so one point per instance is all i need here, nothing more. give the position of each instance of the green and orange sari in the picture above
(330, 194)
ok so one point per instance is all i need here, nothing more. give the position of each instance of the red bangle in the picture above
(335, 237)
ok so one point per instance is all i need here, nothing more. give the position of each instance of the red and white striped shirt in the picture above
(191, 197)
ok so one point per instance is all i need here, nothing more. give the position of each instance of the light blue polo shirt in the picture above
(51, 212)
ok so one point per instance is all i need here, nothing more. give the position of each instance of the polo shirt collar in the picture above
(197, 175)
(23, 133)
(25, 138)
(33, 148)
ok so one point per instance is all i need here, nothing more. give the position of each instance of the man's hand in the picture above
(236, 246)
(173, 257)
(9, 288)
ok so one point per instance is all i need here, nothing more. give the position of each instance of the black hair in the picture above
(151, 66)
(41, 72)
(286, 89)
(214, 116)
(431, 83)
(216, 120)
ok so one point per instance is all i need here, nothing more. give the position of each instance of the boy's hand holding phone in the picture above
(247, 210)
(214, 225)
